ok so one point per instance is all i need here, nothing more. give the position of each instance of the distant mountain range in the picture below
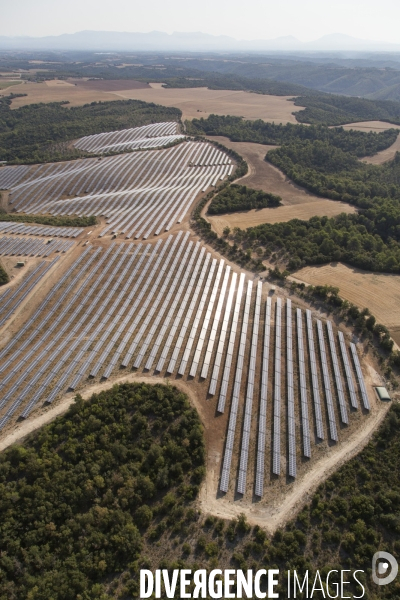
(185, 42)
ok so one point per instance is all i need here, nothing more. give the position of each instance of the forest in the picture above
(324, 161)
(353, 239)
(239, 197)
(57, 221)
(108, 489)
(77, 498)
(237, 129)
(28, 133)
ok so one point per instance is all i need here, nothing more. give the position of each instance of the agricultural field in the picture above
(77, 92)
(379, 292)
(297, 202)
(193, 102)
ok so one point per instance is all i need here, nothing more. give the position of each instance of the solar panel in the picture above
(241, 488)
(360, 377)
(224, 484)
(338, 376)
(327, 384)
(314, 377)
(303, 387)
(347, 368)
(290, 392)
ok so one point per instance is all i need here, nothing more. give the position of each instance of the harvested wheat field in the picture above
(379, 292)
(281, 214)
(77, 92)
(377, 127)
(298, 203)
(201, 102)
(370, 126)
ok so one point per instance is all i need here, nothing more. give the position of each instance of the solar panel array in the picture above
(198, 319)
(217, 317)
(147, 136)
(144, 305)
(20, 228)
(9, 307)
(223, 334)
(139, 194)
(10, 176)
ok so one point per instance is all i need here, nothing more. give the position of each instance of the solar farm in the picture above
(278, 384)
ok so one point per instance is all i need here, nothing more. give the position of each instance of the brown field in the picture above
(252, 218)
(298, 203)
(77, 93)
(377, 126)
(201, 102)
(194, 102)
(370, 126)
(379, 292)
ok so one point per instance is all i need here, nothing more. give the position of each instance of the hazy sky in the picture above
(242, 19)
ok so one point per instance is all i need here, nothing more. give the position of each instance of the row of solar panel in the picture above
(116, 140)
(10, 246)
(20, 228)
(10, 176)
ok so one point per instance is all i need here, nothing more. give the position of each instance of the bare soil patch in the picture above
(379, 292)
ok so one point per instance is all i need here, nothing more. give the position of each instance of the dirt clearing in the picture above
(379, 292)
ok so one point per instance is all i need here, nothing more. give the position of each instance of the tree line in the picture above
(57, 221)
(233, 198)
(359, 143)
